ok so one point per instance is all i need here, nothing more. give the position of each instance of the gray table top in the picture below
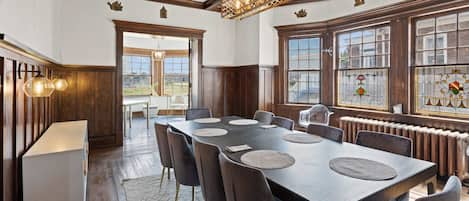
(310, 178)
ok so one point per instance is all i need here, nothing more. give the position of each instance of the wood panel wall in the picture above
(24, 119)
(239, 90)
(90, 95)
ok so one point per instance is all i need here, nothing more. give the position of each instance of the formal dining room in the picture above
(234, 100)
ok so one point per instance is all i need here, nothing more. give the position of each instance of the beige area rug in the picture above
(149, 189)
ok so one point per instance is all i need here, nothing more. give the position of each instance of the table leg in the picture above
(124, 120)
(148, 116)
(130, 116)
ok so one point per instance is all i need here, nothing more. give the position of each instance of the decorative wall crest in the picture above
(301, 13)
(115, 5)
(163, 13)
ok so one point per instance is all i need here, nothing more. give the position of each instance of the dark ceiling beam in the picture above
(185, 3)
(215, 5)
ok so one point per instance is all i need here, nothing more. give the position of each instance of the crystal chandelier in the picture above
(239, 9)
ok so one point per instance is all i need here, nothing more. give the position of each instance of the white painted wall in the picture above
(88, 33)
(157, 44)
(34, 23)
(247, 41)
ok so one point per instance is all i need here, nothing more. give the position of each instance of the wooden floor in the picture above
(138, 158)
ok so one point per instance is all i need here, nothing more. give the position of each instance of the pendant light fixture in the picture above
(60, 84)
(37, 86)
(158, 55)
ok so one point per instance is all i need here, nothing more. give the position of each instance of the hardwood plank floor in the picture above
(139, 158)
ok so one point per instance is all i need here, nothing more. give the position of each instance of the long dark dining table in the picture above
(310, 178)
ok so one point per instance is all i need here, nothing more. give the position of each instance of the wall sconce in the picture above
(37, 86)
(60, 84)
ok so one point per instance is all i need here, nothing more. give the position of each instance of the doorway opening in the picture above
(157, 74)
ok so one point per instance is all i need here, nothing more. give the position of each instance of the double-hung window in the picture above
(136, 77)
(304, 70)
(441, 64)
(362, 64)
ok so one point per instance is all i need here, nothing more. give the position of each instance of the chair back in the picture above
(385, 142)
(208, 168)
(451, 192)
(243, 183)
(183, 159)
(317, 114)
(163, 146)
(328, 132)
(197, 113)
(263, 116)
(283, 122)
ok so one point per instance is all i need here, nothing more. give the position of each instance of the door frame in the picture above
(154, 29)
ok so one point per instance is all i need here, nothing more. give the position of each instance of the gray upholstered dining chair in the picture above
(243, 183)
(197, 113)
(385, 142)
(328, 132)
(389, 143)
(163, 149)
(451, 192)
(263, 116)
(317, 114)
(183, 162)
(283, 122)
(208, 168)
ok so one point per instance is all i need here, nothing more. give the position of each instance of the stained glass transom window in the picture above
(363, 62)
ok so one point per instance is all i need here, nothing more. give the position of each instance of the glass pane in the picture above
(344, 52)
(293, 54)
(446, 40)
(446, 23)
(368, 36)
(383, 33)
(382, 47)
(440, 91)
(344, 39)
(369, 62)
(463, 39)
(463, 55)
(355, 62)
(425, 58)
(426, 42)
(314, 54)
(293, 64)
(382, 61)
(363, 88)
(303, 55)
(425, 26)
(293, 79)
(303, 64)
(314, 43)
(293, 44)
(344, 63)
(464, 20)
(314, 64)
(304, 44)
(445, 56)
(355, 50)
(369, 49)
(356, 37)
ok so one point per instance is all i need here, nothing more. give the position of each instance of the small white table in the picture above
(126, 103)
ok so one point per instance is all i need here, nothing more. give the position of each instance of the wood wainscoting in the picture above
(91, 95)
(23, 119)
(237, 90)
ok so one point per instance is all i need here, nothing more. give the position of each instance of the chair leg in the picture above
(431, 184)
(169, 173)
(193, 189)
(177, 191)
(162, 176)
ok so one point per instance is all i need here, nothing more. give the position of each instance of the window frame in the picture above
(413, 60)
(150, 75)
(164, 72)
(337, 69)
(287, 67)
